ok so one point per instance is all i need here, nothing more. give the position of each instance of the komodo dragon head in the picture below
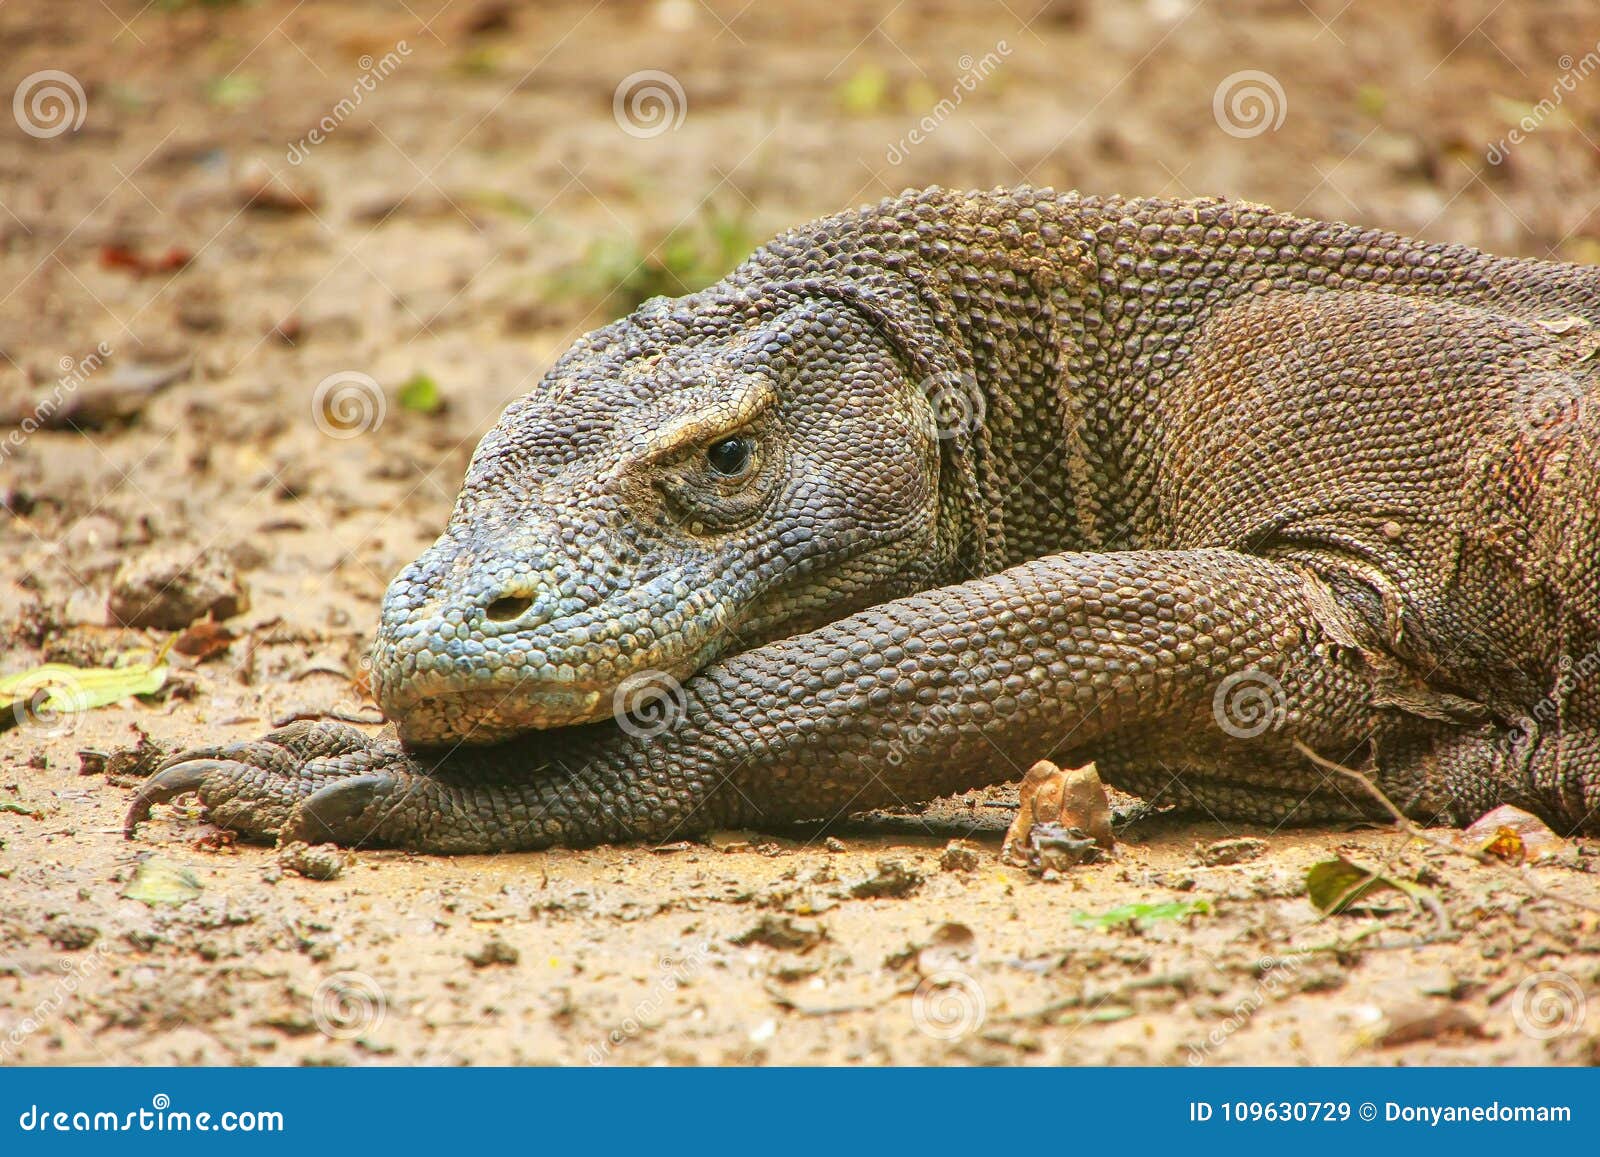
(708, 474)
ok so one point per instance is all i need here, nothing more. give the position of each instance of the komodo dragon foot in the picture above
(326, 782)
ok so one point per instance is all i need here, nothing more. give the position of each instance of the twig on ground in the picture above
(1482, 858)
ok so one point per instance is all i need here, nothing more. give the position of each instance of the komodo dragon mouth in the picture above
(460, 677)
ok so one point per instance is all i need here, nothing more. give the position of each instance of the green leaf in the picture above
(866, 90)
(234, 91)
(1144, 913)
(1106, 1014)
(622, 272)
(421, 395)
(480, 61)
(1336, 886)
(497, 201)
(160, 881)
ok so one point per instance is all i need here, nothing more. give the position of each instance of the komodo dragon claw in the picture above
(166, 785)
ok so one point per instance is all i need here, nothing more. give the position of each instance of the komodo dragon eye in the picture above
(729, 457)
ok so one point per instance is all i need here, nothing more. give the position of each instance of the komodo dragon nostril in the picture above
(503, 610)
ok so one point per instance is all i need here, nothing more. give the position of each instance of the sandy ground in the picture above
(478, 206)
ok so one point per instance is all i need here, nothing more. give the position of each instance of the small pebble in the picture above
(319, 862)
(894, 879)
(959, 856)
(494, 951)
(170, 589)
(1234, 851)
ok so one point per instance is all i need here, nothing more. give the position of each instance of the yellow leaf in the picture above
(62, 687)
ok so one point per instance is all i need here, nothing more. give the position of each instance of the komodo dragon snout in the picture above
(679, 487)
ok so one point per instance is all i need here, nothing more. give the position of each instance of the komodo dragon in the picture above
(923, 492)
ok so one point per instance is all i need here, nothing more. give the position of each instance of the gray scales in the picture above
(923, 492)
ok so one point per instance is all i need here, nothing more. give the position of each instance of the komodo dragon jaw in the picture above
(702, 477)
(1219, 485)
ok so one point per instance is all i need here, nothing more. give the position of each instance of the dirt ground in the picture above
(185, 270)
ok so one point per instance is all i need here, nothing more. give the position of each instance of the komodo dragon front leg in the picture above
(927, 695)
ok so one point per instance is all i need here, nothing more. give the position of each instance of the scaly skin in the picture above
(1170, 485)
